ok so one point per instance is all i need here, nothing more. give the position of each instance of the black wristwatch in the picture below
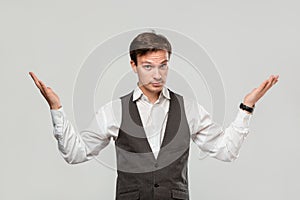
(247, 108)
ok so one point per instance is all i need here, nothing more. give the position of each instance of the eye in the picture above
(147, 67)
(163, 66)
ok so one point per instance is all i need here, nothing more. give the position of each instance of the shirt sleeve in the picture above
(76, 147)
(212, 139)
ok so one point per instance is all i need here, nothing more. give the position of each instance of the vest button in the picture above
(156, 165)
(156, 185)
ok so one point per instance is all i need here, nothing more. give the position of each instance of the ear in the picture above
(133, 66)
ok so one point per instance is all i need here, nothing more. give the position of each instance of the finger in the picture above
(269, 84)
(36, 80)
(33, 76)
(263, 85)
(263, 88)
(44, 87)
(276, 78)
(272, 81)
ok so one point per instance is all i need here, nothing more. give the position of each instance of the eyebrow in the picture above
(148, 62)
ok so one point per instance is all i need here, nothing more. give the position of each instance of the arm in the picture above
(74, 147)
(225, 144)
(78, 147)
(216, 142)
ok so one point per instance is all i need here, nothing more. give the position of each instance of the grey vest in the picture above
(140, 174)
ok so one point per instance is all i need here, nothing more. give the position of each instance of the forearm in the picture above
(224, 144)
(70, 143)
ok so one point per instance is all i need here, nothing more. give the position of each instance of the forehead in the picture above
(154, 57)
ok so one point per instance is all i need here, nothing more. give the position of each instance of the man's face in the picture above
(152, 71)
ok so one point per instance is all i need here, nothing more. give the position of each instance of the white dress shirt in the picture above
(208, 136)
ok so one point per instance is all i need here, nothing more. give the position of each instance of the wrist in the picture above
(55, 107)
(249, 104)
(247, 108)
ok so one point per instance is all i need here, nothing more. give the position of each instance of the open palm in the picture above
(251, 98)
(50, 96)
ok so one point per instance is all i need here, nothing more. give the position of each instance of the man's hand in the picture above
(47, 92)
(251, 98)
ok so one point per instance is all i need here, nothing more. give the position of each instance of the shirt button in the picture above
(156, 185)
(156, 165)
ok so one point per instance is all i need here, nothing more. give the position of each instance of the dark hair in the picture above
(148, 42)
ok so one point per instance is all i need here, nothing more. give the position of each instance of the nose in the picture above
(156, 74)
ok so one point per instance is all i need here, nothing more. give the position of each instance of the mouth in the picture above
(157, 84)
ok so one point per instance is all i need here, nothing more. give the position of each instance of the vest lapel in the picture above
(173, 121)
(135, 116)
(172, 125)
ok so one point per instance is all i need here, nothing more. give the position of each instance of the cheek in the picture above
(164, 74)
(143, 76)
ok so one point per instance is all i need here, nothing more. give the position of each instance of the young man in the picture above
(152, 128)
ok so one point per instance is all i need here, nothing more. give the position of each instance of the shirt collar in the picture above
(137, 93)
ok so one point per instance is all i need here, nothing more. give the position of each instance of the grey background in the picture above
(248, 41)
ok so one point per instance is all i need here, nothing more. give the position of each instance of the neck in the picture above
(152, 96)
(153, 99)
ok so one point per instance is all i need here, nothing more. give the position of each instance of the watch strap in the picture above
(247, 108)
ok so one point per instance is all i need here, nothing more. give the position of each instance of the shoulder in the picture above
(113, 105)
(110, 112)
(193, 107)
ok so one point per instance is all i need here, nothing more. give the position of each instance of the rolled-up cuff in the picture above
(242, 121)
(57, 116)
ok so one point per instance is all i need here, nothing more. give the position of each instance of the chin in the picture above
(153, 89)
(156, 89)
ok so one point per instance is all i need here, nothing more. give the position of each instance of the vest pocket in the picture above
(180, 194)
(130, 195)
